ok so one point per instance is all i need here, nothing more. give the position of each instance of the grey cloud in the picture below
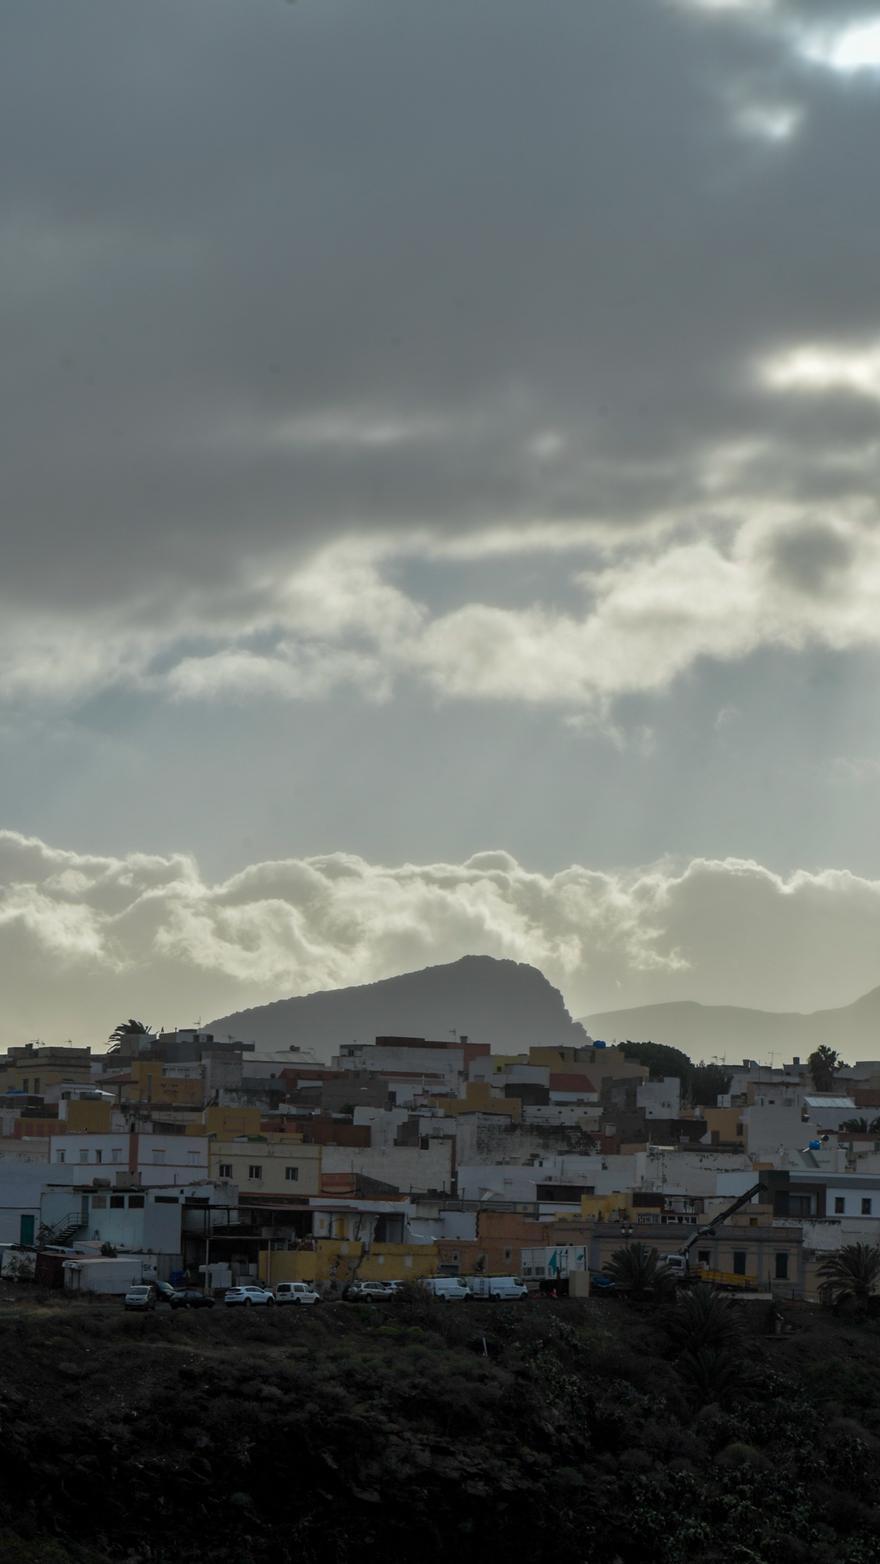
(503, 218)
(812, 558)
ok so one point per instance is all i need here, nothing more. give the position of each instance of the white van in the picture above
(450, 1289)
(499, 1289)
(296, 1292)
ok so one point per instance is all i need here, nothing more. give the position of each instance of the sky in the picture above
(440, 458)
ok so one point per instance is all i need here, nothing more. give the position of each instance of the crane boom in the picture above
(709, 1230)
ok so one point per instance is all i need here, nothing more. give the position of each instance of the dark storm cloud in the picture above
(492, 220)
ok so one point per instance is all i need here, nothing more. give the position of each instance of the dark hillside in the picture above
(504, 1003)
(572, 1433)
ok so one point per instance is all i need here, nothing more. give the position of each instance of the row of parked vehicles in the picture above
(247, 1295)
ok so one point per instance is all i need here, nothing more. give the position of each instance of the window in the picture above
(135, 1202)
(24, 1084)
(839, 1205)
(739, 1262)
(159, 1155)
(291, 1174)
(99, 1202)
(99, 1155)
(60, 1156)
(799, 1205)
(703, 1257)
(192, 1156)
(226, 1170)
(36, 1083)
(255, 1172)
(83, 1156)
(116, 1154)
(782, 1267)
(117, 1202)
(866, 1207)
(508, 1254)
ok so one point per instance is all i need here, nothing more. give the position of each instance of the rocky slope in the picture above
(505, 1003)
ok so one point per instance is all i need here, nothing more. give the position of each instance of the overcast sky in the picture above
(441, 450)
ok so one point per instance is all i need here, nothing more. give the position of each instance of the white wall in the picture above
(660, 1099)
(161, 1159)
(383, 1124)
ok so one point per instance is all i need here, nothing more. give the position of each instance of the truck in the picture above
(682, 1266)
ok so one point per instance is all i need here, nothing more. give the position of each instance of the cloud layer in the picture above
(85, 939)
(279, 323)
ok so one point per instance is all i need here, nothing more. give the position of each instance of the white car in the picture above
(296, 1292)
(139, 1298)
(247, 1295)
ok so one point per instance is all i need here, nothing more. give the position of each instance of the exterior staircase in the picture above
(61, 1233)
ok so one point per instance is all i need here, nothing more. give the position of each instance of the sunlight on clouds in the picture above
(820, 369)
(171, 944)
(855, 49)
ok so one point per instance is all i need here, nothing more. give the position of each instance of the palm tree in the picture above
(702, 1317)
(638, 1271)
(712, 1374)
(125, 1031)
(851, 1275)
(856, 1126)
(824, 1064)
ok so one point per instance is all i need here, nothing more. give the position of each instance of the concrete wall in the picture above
(403, 1167)
(660, 1099)
(770, 1127)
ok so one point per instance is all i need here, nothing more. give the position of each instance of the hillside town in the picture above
(185, 1158)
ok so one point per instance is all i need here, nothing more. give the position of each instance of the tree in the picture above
(661, 1060)
(708, 1082)
(712, 1374)
(702, 1317)
(127, 1030)
(824, 1064)
(639, 1271)
(856, 1126)
(851, 1275)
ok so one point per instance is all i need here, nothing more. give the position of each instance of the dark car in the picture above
(190, 1298)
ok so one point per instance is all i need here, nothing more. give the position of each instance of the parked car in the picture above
(248, 1295)
(365, 1291)
(141, 1298)
(296, 1292)
(191, 1298)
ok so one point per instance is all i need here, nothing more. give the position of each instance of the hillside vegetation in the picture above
(598, 1433)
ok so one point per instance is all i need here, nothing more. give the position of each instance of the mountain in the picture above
(703, 1031)
(504, 1003)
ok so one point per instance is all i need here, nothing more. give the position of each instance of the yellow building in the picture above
(478, 1098)
(724, 1125)
(87, 1115)
(34, 1071)
(334, 1260)
(606, 1208)
(145, 1081)
(226, 1123)
(268, 1166)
